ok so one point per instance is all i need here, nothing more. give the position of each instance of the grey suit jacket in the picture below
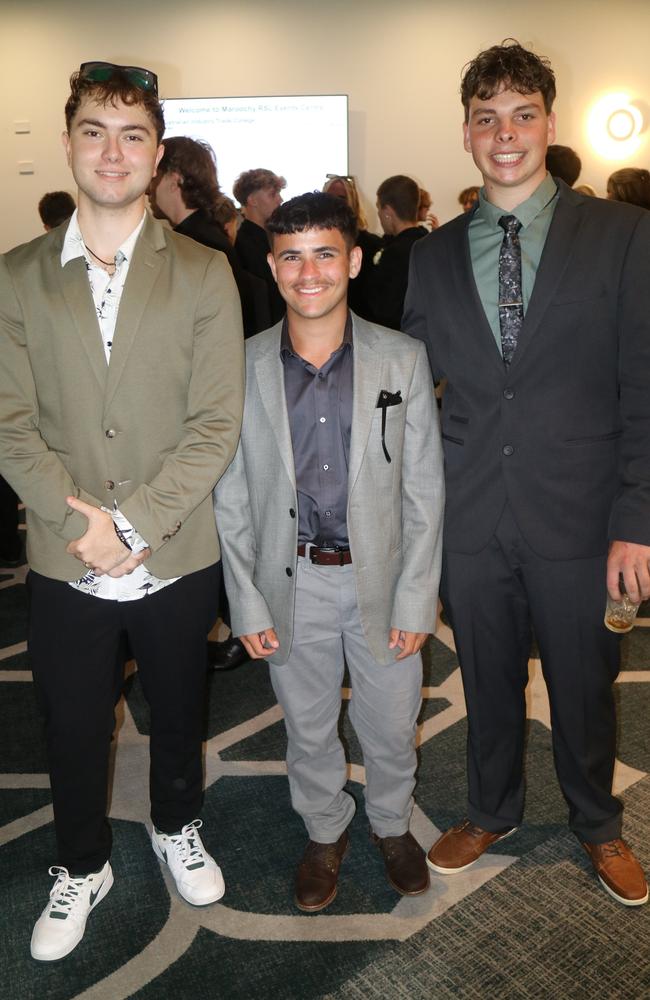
(394, 509)
(153, 430)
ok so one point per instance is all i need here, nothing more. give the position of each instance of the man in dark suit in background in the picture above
(536, 309)
(185, 191)
(398, 200)
(258, 193)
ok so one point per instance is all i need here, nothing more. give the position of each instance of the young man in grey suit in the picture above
(121, 390)
(330, 518)
(536, 310)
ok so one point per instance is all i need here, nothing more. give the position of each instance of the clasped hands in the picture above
(261, 644)
(99, 548)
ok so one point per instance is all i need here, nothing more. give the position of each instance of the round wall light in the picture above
(614, 127)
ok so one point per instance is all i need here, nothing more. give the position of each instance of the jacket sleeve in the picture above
(249, 611)
(630, 517)
(36, 474)
(423, 495)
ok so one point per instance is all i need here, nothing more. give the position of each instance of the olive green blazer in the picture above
(154, 430)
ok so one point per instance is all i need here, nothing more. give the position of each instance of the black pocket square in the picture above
(385, 400)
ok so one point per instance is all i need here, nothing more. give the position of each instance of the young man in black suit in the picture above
(536, 309)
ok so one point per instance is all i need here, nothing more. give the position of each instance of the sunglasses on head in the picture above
(99, 72)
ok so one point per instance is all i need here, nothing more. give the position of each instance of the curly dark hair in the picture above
(118, 87)
(314, 210)
(507, 66)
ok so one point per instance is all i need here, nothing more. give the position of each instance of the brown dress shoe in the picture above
(461, 846)
(318, 872)
(405, 862)
(619, 871)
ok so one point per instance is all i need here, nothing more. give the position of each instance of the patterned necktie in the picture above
(511, 305)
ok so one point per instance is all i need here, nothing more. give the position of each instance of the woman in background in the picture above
(346, 189)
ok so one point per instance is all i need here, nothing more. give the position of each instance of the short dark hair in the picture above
(402, 194)
(196, 165)
(251, 181)
(314, 210)
(118, 87)
(631, 184)
(55, 207)
(563, 162)
(508, 66)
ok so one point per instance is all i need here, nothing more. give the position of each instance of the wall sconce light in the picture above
(614, 127)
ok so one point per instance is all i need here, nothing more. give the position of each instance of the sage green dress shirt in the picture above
(486, 236)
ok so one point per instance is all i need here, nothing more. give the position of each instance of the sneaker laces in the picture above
(188, 847)
(65, 892)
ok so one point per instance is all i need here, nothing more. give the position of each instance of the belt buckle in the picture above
(333, 550)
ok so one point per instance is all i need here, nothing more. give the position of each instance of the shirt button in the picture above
(323, 420)
(110, 433)
(508, 393)
(328, 513)
(508, 450)
(109, 485)
(326, 467)
(289, 571)
(320, 375)
(292, 512)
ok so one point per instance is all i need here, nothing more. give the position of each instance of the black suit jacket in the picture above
(252, 290)
(564, 434)
(388, 278)
(252, 246)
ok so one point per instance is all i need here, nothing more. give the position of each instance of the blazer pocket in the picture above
(594, 439)
(454, 440)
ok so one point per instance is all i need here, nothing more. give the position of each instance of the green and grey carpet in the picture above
(529, 920)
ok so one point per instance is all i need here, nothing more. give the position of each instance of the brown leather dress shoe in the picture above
(461, 846)
(405, 861)
(619, 871)
(318, 873)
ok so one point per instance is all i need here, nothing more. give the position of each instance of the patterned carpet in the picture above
(529, 921)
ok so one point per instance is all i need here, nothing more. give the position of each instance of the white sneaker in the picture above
(62, 923)
(197, 875)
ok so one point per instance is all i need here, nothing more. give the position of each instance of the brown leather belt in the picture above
(326, 557)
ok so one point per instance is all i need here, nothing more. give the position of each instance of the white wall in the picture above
(400, 63)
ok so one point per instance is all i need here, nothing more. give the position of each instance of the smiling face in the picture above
(312, 270)
(507, 135)
(113, 152)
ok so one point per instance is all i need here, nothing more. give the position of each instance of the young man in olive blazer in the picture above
(121, 390)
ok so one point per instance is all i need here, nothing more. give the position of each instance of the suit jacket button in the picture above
(289, 571)
(292, 512)
(508, 450)
(110, 433)
(109, 485)
(508, 393)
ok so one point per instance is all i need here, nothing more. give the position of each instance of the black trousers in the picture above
(75, 645)
(492, 598)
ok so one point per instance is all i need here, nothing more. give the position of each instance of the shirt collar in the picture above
(73, 243)
(286, 347)
(526, 212)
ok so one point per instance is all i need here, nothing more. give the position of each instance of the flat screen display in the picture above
(300, 138)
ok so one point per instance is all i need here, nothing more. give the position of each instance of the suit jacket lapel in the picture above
(367, 369)
(555, 257)
(143, 272)
(466, 295)
(269, 373)
(75, 287)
